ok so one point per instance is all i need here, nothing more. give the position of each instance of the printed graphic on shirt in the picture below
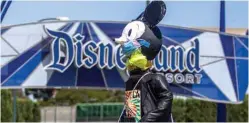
(132, 104)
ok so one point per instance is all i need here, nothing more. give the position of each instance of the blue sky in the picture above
(188, 13)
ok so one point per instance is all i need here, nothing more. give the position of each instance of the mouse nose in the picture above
(121, 40)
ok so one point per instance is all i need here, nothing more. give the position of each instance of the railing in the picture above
(98, 112)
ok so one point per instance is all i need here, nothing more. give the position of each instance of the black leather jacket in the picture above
(155, 97)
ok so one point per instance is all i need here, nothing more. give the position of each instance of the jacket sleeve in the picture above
(164, 98)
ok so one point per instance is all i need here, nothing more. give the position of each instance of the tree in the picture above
(74, 96)
(6, 106)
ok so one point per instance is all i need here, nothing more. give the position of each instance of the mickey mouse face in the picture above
(137, 31)
(132, 31)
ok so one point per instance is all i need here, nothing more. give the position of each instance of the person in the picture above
(148, 97)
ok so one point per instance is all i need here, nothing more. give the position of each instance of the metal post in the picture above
(221, 108)
(87, 113)
(222, 17)
(71, 116)
(45, 113)
(14, 105)
(221, 112)
(101, 112)
(55, 114)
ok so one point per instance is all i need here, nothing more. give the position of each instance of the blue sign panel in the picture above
(201, 64)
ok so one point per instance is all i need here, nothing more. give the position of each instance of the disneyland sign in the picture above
(108, 55)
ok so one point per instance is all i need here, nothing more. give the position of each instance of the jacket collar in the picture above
(138, 72)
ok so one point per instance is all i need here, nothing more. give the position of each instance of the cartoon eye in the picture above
(129, 32)
(134, 30)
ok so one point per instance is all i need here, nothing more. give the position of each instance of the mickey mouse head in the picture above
(137, 34)
(144, 31)
(132, 31)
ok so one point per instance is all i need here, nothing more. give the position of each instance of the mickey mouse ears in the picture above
(153, 13)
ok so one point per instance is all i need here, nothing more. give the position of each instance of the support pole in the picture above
(221, 107)
(14, 104)
(221, 112)
(222, 16)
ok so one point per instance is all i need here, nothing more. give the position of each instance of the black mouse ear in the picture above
(154, 13)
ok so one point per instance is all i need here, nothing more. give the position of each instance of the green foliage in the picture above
(36, 112)
(178, 110)
(74, 96)
(20, 116)
(6, 106)
(197, 112)
(239, 112)
(69, 97)
(26, 110)
(50, 102)
(192, 110)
